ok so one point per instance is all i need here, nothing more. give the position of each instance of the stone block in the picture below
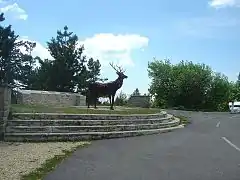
(5, 102)
(139, 101)
(53, 98)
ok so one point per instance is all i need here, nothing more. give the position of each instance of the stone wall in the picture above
(50, 98)
(5, 102)
(139, 101)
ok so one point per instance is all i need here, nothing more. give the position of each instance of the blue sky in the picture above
(133, 32)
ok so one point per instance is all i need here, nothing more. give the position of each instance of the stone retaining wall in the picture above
(63, 127)
(5, 101)
(50, 98)
(139, 101)
(42, 116)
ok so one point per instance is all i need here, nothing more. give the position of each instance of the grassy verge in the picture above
(19, 108)
(184, 120)
(50, 165)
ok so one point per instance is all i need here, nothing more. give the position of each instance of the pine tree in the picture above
(68, 60)
(69, 71)
(94, 68)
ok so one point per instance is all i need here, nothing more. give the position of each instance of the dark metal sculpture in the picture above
(109, 89)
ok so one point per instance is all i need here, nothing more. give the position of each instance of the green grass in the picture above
(50, 165)
(19, 108)
(184, 120)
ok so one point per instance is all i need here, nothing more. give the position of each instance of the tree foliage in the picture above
(15, 55)
(69, 70)
(190, 86)
(121, 99)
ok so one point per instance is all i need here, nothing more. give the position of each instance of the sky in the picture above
(131, 33)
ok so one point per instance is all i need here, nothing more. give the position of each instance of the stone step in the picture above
(80, 136)
(55, 129)
(86, 116)
(64, 122)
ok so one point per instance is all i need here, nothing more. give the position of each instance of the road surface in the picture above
(208, 149)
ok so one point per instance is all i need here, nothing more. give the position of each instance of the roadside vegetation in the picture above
(189, 86)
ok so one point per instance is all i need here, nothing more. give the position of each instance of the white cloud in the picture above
(15, 10)
(105, 47)
(224, 3)
(108, 47)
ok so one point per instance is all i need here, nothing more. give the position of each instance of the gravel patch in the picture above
(17, 159)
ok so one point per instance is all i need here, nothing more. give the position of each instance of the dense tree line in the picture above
(190, 86)
(68, 70)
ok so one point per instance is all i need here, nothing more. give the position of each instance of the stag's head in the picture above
(120, 72)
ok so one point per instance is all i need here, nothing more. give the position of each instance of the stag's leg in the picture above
(95, 102)
(112, 102)
(88, 101)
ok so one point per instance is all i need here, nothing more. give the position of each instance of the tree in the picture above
(43, 76)
(190, 86)
(68, 60)
(69, 71)
(192, 81)
(234, 91)
(218, 95)
(162, 85)
(12, 59)
(94, 68)
(136, 92)
(121, 99)
(184, 85)
(27, 75)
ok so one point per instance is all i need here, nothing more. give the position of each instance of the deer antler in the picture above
(117, 68)
(111, 64)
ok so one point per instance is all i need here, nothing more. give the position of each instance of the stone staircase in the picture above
(76, 127)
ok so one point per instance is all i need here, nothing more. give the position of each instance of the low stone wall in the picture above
(139, 101)
(5, 102)
(50, 98)
(45, 116)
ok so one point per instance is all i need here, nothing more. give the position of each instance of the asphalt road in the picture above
(208, 149)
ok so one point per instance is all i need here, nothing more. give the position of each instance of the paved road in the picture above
(208, 149)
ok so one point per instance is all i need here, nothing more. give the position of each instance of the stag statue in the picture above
(108, 89)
